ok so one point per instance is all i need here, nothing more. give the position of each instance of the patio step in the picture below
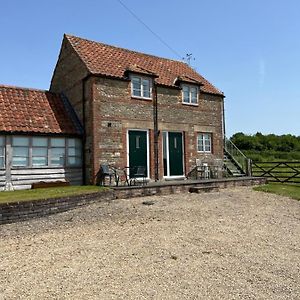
(203, 189)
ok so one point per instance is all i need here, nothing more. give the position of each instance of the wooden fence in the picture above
(279, 171)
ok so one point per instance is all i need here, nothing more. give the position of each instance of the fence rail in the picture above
(278, 171)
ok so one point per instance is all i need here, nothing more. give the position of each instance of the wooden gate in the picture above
(283, 171)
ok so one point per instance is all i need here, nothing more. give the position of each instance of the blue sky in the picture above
(248, 49)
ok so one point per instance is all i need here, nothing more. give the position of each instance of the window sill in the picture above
(190, 104)
(45, 167)
(204, 152)
(173, 177)
(141, 98)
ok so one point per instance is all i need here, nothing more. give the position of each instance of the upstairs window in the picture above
(204, 142)
(2, 151)
(190, 94)
(141, 87)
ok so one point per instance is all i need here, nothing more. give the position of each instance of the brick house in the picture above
(40, 139)
(139, 109)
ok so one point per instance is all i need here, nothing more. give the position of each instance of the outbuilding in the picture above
(40, 139)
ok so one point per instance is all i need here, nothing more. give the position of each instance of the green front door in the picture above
(175, 153)
(138, 149)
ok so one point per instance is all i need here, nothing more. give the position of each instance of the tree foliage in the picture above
(270, 142)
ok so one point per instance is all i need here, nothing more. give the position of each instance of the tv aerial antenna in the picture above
(189, 57)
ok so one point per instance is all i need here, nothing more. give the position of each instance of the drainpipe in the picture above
(156, 132)
(223, 116)
(84, 130)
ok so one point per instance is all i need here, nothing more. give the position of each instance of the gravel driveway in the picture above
(232, 244)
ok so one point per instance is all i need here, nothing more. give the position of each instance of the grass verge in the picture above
(289, 190)
(46, 193)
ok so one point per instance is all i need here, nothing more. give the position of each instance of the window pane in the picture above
(1, 162)
(39, 161)
(39, 141)
(185, 88)
(20, 161)
(39, 151)
(136, 80)
(57, 151)
(146, 84)
(200, 142)
(1, 141)
(74, 161)
(57, 161)
(1, 151)
(146, 88)
(20, 151)
(194, 95)
(78, 143)
(71, 142)
(74, 152)
(186, 94)
(200, 147)
(20, 141)
(137, 92)
(57, 142)
(146, 93)
(136, 86)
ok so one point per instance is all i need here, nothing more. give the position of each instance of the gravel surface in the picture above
(232, 244)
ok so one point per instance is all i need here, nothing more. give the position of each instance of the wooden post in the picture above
(249, 167)
(8, 163)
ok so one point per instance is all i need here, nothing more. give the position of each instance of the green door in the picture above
(175, 153)
(138, 149)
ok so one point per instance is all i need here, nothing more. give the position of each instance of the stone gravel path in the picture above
(232, 244)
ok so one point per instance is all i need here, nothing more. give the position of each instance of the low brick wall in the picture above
(21, 211)
(183, 186)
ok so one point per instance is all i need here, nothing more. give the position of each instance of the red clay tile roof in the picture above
(36, 111)
(101, 59)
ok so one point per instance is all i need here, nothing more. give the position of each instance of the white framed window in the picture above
(204, 142)
(141, 87)
(58, 152)
(2, 151)
(20, 153)
(74, 152)
(39, 151)
(190, 94)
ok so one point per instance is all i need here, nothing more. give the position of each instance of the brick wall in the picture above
(21, 211)
(115, 112)
(67, 76)
(108, 111)
(68, 79)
